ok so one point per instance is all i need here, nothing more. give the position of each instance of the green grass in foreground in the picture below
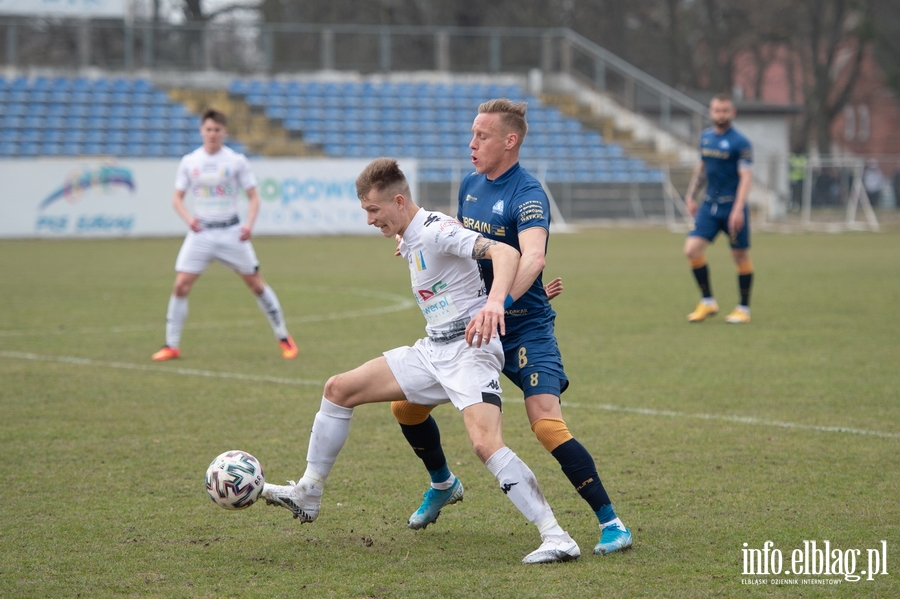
(707, 436)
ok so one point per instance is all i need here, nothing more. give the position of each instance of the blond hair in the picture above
(382, 174)
(512, 115)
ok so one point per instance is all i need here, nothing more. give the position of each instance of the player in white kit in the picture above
(213, 177)
(459, 361)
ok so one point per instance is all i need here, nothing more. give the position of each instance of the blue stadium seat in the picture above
(96, 123)
(29, 149)
(9, 148)
(120, 97)
(135, 150)
(92, 149)
(141, 98)
(31, 136)
(176, 150)
(60, 96)
(157, 150)
(119, 110)
(157, 136)
(94, 136)
(72, 149)
(56, 136)
(117, 136)
(114, 149)
(142, 85)
(99, 97)
(80, 96)
(160, 97)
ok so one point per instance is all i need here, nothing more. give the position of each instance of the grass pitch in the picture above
(707, 436)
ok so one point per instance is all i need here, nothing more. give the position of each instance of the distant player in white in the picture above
(213, 177)
(459, 361)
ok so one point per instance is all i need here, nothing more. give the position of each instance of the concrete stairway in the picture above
(255, 130)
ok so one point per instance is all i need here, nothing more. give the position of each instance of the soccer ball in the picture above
(234, 480)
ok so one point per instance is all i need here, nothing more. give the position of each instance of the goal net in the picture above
(832, 197)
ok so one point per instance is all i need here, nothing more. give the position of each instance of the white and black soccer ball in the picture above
(234, 480)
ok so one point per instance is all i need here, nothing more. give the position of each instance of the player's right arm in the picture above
(505, 259)
(698, 178)
(178, 203)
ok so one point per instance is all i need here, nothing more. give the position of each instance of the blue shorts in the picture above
(533, 362)
(712, 217)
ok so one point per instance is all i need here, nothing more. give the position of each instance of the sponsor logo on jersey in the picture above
(711, 153)
(213, 191)
(427, 294)
(495, 385)
(476, 225)
(432, 218)
(471, 198)
(498, 207)
(76, 184)
(420, 261)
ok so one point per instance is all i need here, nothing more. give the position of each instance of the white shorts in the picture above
(431, 373)
(223, 244)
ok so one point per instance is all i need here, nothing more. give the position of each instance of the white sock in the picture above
(519, 484)
(617, 522)
(443, 486)
(709, 301)
(268, 304)
(175, 317)
(329, 432)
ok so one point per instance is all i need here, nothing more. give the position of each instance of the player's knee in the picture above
(409, 413)
(696, 261)
(551, 432)
(484, 448)
(336, 391)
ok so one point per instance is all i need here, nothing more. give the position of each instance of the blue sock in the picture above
(606, 514)
(578, 466)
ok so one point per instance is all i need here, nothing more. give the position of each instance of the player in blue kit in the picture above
(503, 202)
(726, 157)
(459, 361)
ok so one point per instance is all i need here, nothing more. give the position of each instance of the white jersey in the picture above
(448, 289)
(213, 182)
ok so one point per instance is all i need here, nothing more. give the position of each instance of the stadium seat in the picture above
(93, 149)
(29, 149)
(71, 149)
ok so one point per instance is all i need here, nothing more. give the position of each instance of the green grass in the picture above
(707, 436)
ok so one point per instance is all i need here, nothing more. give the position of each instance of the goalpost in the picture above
(832, 195)
(830, 199)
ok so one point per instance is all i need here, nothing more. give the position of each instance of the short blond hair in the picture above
(382, 174)
(512, 115)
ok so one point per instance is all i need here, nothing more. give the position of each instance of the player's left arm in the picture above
(736, 218)
(532, 243)
(252, 212)
(489, 319)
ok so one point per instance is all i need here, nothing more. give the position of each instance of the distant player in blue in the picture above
(503, 202)
(726, 158)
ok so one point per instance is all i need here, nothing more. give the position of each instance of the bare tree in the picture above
(831, 40)
(887, 40)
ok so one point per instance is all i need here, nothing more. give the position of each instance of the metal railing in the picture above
(269, 49)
